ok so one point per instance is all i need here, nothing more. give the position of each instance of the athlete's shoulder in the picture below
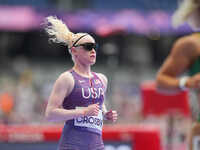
(186, 40)
(186, 45)
(65, 77)
(102, 77)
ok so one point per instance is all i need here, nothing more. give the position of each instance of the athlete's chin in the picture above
(92, 62)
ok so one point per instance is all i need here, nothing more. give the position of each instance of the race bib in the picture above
(95, 122)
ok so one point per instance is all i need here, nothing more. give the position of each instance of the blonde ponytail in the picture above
(183, 12)
(58, 31)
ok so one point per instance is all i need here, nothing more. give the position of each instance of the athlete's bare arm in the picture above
(105, 82)
(183, 54)
(111, 114)
(62, 88)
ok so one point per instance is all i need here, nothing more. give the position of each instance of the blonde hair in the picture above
(59, 32)
(182, 14)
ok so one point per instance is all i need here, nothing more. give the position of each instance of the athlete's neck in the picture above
(83, 70)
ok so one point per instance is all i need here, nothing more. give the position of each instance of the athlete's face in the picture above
(85, 50)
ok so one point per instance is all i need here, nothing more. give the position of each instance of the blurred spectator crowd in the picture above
(25, 88)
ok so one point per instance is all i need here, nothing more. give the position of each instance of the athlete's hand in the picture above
(92, 110)
(193, 82)
(111, 115)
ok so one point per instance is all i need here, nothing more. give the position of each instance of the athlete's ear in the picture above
(73, 50)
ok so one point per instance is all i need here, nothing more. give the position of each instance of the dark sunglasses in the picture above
(88, 46)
